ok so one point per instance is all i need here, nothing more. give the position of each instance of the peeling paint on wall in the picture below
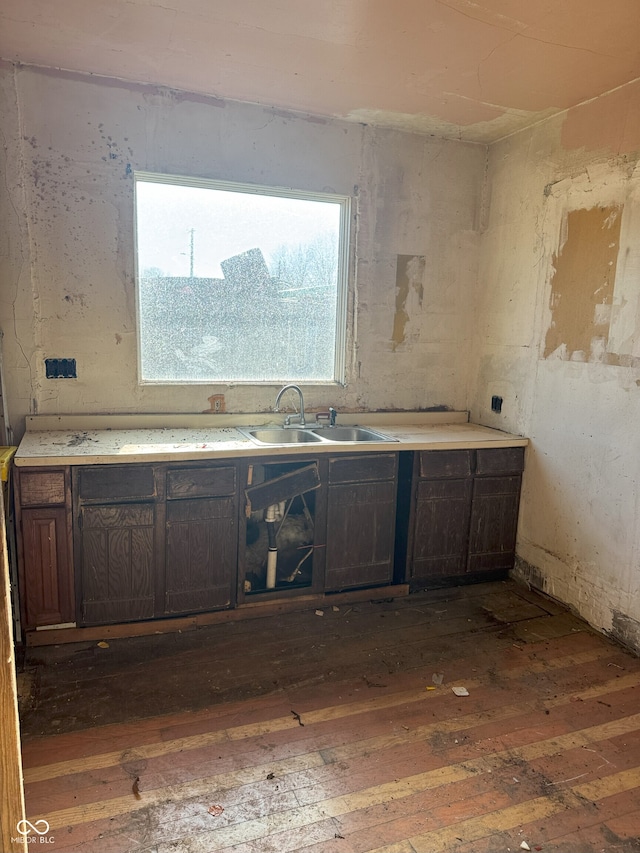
(409, 292)
(626, 630)
(582, 286)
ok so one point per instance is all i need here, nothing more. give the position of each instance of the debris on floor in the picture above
(460, 691)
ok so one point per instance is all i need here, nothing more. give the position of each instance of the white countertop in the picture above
(47, 447)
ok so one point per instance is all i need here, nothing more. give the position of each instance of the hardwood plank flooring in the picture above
(332, 733)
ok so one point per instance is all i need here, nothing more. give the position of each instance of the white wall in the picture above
(579, 535)
(67, 259)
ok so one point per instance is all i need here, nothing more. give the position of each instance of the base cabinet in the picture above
(464, 517)
(43, 503)
(104, 544)
(116, 561)
(200, 539)
(494, 522)
(443, 511)
(361, 521)
(154, 540)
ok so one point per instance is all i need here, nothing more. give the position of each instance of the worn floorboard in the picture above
(341, 733)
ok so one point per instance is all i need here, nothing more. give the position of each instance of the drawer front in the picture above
(116, 481)
(201, 482)
(363, 468)
(429, 490)
(42, 488)
(501, 460)
(445, 463)
(497, 486)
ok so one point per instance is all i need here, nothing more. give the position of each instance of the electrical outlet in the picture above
(496, 404)
(60, 368)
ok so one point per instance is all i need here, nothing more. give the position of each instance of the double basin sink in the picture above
(310, 435)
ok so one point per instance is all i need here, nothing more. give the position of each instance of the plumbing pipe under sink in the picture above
(270, 517)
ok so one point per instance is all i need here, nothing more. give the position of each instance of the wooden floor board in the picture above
(328, 734)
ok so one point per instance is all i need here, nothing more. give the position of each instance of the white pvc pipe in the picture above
(270, 516)
(272, 561)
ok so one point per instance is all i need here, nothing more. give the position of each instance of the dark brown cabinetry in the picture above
(200, 539)
(153, 540)
(43, 501)
(115, 544)
(361, 520)
(464, 516)
(162, 539)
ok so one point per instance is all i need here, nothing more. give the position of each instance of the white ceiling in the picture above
(472, 70)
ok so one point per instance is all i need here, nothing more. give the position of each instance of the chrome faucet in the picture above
(299, 418)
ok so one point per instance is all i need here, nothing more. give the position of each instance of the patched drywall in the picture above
(558, 336)
(584, 271)
(409, 292)
(72, 146)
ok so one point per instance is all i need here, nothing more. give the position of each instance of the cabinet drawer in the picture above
(201, 482)
(443, 489)
(501, 460)
(445, 463)
(363, 468)
(494, 486)
(42, 488)
(126, 481)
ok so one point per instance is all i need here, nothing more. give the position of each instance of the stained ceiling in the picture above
(457, 68)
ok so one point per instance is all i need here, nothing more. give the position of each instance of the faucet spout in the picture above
(299, 418)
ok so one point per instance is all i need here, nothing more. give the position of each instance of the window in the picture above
(239, 283)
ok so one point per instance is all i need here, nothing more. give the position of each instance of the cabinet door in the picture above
(494, 521)
(48, 580)
(200, 554)
(360, 535)
(443, 508)
(117, 562)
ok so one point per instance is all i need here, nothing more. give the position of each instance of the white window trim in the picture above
(344, 240)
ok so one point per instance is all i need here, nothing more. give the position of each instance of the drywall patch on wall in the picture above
(582, 284)
(626, 630)
(409, 292)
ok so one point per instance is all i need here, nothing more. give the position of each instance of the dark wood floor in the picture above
(330, 734)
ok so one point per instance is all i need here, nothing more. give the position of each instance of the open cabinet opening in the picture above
(280, 526)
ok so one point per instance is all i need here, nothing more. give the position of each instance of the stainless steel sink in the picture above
(288, 435)
(344, 433)
(282, 435)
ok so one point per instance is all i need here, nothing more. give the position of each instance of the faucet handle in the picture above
(330, 416)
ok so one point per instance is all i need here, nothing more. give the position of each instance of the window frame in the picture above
(342, 279)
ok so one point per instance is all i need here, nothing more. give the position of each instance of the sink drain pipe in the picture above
(270, 517)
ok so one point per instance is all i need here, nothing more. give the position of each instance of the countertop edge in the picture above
(236, 449)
